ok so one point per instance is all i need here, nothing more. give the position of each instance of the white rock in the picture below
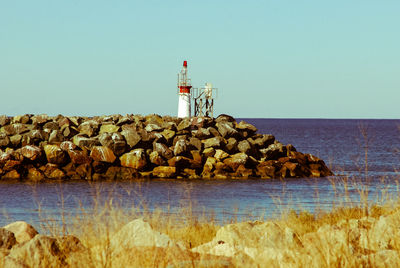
(22, 231)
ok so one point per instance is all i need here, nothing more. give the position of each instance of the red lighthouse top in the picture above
(185, 63)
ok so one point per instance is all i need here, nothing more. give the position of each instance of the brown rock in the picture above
(4, 120)
(290, 170)
(132, 137)
(225, 118)
(156, 159)
(202, 133)
(274, 151)
(181, 147)
(265, 170)
(51, 171)
(208, 167)
(245, 147)
(12, 175)
(195, 144)
(4, 140)
(16, 128)
(232, 146)
(134, 159)
(11, 164)
(168, 135)
(35, 174)
(215, 142)
(236, 160)
(49, 126)
(163, 150)
(180, 162)
(23, 119)
(246, 127)
(40, 119)
(67, 146)
(102, 154)
(196, 160)
(124, 173)
(79, 157)
(164, 171)
(208, 152)
(84, 142)
(213, 132)
(185, 124)
(114, 141)
(243, 172)
(226, 129)
(84, 171)
(89, 128)
(16, 140)
(220, 155)
(55, 155)
(190, 173)
(69, 132)
(31, 152)
(109, 128)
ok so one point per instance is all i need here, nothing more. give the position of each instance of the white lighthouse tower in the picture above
(184, 86)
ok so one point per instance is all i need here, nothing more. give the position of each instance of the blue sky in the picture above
(269, 59)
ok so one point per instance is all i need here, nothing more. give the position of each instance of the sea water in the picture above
(363, 154)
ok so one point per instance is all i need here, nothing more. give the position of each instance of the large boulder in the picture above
(215, 142)
(134, 159)
(23, 231)
(102, 154)
(35, 174)
(245, 147)
(168, 135)
(273, 151)
(226, 129)
(156, 159)
(4, 140)
(108, 128)
(139, 233)
(23, 119)
(242, 125)
(44, 251)
(164, 172)
(114, 141)
(31, 152)
(236, 160)
(185, 124)
(163, 150)
(249, 240)
(225, 118)
(4, 120)
(132, 137)
(55, 155)
(89, 128)
(181, 147)
(16, 128)
(84, 142)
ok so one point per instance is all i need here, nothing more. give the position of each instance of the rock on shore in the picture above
(361, 242)
(40, 147)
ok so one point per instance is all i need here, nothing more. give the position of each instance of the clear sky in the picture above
(269, 59)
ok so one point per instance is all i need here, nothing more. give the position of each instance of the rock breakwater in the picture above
(40, 147)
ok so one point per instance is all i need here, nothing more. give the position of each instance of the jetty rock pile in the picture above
(39, 147)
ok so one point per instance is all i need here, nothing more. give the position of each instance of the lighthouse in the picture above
(184, 87)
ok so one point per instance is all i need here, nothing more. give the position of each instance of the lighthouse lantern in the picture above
(184, 87)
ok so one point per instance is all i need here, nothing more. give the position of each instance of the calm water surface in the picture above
(341, 143)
